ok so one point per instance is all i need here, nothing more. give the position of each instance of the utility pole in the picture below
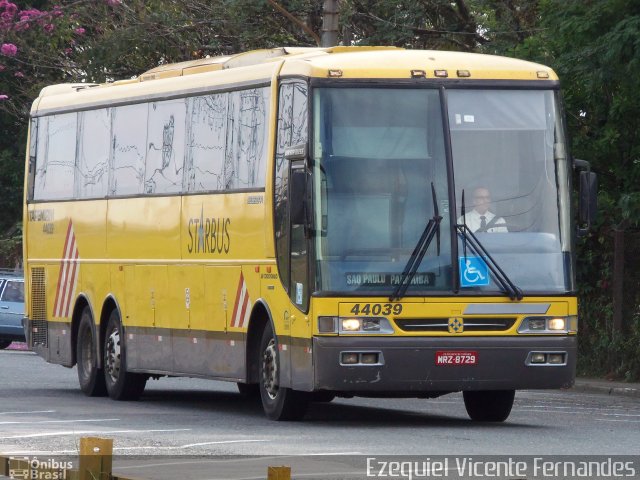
(330, 11)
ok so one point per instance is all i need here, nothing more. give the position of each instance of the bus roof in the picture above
(261, 66)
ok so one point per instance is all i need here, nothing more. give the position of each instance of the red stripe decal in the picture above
(60, 275)
(245, 304)
(235, 307)
(74, 270)
(65, 290)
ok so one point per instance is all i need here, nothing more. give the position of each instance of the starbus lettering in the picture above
(209, 235)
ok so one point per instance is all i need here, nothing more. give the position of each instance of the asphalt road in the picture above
(183, 425)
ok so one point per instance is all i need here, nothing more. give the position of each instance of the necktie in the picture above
(483, 223)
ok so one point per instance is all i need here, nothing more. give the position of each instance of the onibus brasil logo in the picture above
(25, 468)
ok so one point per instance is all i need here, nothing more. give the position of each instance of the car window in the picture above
(13, 292)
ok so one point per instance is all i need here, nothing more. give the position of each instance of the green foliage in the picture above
(594, 46)
(11, 248)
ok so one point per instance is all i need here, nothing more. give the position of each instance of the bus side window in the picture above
(290, 240)
(281, 187)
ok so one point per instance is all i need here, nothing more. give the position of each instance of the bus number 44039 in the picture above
(376, 309)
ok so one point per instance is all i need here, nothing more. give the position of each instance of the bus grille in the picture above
(442, 324)
(39, 325)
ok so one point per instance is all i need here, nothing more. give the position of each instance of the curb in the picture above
(609, 388)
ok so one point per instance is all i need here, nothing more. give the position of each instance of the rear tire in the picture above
(121, 384)
(489, 405)
(279, 403)
(90, 377)
(5, 343)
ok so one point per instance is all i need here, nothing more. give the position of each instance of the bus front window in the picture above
(510, 161)
(376, 153)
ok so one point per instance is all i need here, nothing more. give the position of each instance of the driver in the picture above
(480, 219)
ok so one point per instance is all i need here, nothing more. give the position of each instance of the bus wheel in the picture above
(90, 377)
(4, 344)
(489, 405)
(121, 385)
(279, 403)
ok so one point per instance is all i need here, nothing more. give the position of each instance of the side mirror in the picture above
(588, 197)
(298, 196)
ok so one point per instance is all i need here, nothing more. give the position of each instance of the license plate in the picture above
(456, 358)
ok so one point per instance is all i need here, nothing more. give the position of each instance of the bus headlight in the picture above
(351, 324)
(542, 325)
(371, 325)
(557, 324)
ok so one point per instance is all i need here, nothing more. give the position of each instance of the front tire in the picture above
(279, 403)
(121, 384)
(489, 405)
(90, 377)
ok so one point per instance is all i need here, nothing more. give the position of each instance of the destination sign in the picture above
(369, 279)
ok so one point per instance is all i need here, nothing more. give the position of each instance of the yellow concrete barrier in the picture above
(279, 473)
(96, 458)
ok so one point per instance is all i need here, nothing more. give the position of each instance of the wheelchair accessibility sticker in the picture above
(473, 272)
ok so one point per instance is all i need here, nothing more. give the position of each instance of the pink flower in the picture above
(49, 28)
(4, 97)
(2, 67)
(10, 8)
(8, 50)
(80, 31)
(27, 14)
(114, 3)
(18, 75)
(67, 51)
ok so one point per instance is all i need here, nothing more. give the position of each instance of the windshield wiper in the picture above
(432, 229)
(479, 250)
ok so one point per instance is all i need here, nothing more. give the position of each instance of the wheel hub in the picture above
(87, 353)
(270, 369)
(112, 355)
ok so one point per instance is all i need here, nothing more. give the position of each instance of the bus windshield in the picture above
(376, 154)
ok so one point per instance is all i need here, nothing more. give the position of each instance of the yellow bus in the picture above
(307, 223)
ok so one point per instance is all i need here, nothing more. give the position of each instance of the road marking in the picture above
(219, 442)
(329, 454)
(62, 421)
(153, 447)
(24, 413)
(595, 411)
(87, 432)
(614, 420)
(179, 447)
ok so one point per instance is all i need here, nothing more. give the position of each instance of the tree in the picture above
(595, 48)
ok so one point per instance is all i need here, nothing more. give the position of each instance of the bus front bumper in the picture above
(408, 365)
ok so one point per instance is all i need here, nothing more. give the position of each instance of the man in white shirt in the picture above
(480, 219)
